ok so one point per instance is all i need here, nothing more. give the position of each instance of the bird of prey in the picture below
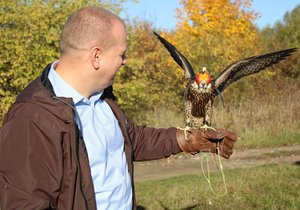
(201, 88)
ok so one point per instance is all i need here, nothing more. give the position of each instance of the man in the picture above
(65, 143)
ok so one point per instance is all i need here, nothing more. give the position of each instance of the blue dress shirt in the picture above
(105, 145)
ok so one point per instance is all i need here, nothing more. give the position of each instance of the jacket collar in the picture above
(108, 92)
(40, 91)
(45, 81)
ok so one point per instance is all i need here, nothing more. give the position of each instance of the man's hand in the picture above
(201, 140)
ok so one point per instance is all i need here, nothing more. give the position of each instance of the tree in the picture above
(145, 83)
(30, 32)
(215, 33)
(285, 34)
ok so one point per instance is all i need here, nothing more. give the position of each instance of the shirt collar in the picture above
(63, 89)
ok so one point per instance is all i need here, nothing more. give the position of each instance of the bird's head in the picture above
(203, 80)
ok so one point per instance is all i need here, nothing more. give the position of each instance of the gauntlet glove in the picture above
(206, 140)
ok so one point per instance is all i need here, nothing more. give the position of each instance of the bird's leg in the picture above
(185, 130)
(208, 115)
(187, 117)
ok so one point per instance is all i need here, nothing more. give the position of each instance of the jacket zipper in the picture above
(78, 137)
(125, 133)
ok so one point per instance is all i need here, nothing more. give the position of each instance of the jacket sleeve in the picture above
(30, 175)
(152, 143)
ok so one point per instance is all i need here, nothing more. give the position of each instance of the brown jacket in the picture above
(43, 161)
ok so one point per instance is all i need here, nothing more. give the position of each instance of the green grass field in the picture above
(263, 187)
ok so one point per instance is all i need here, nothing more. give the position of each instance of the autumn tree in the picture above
(285, 34)
(211, 33)
(215, 33)
(30, 32)
(144, 83)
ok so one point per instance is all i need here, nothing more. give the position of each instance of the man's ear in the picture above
(96, 57)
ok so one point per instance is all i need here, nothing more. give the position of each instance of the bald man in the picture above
(65, 143)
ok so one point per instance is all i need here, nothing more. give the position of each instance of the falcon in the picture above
(201, 89)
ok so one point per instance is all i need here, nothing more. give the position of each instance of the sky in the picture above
(162, 12)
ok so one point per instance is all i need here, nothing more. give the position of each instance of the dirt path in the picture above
(187, 164)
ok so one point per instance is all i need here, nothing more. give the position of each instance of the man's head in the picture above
(87, 27)
(93, 46)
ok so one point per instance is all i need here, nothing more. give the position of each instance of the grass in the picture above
(262, 187)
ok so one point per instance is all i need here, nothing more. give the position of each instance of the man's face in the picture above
(114, 57)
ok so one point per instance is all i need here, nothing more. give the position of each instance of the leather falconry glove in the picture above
(206, 140)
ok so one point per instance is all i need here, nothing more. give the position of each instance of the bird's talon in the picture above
(205, 127)
(185, 130)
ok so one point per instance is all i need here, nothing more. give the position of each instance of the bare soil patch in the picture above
(187, 164)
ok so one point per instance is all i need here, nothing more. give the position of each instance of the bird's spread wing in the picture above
(178, 57)
(248, 66)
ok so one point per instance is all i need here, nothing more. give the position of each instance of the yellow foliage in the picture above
(226, 17)
(215, 32)
(147, 82)
(212, 33)
(30, 32)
